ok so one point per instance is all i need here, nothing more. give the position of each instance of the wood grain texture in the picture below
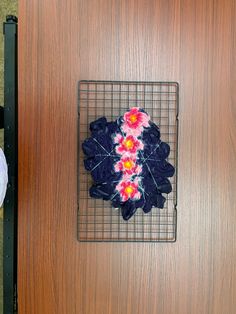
(61, 42)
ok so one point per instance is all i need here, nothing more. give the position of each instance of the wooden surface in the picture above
(192, 42)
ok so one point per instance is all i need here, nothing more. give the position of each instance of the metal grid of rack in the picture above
(97, 220)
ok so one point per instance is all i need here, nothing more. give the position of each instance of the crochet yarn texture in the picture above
(127, 161)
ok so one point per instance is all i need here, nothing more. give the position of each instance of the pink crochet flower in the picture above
(128, 190)
(128, 166)
(127, 145)
(135, 121)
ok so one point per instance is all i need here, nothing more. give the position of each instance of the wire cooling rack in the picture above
(97, 220)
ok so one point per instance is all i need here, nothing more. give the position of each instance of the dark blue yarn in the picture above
(101, 157)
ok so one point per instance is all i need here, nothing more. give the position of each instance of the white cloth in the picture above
(3, 177)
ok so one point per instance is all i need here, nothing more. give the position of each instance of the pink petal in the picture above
(136, 181)
(128, 155)
(125, 128)
(141, 145)
(119, 150)
(132, 131)
(134, 109)
(117, 167)
(118, 138)
(145, 120)
(138, 169)
(137, 195)
(119, 187)
(127, 176)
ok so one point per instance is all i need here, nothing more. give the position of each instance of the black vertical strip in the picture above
(11, 152)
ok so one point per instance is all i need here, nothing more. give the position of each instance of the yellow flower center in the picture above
(133, 118)
(129, 144)
(129, 189)
(128, 164)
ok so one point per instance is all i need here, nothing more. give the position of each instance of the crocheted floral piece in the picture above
(127, 161)
(135, 121)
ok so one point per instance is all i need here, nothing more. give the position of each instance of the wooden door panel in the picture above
(61, 42)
